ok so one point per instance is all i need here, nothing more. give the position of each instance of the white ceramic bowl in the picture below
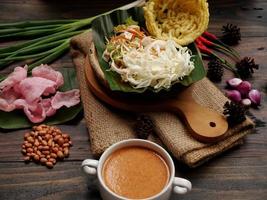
(175, 184)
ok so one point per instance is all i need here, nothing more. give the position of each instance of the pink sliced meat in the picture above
(34, 87)
(34, 111)
(5, 106)
(68, 99)
(19, 92)
(7, 99)
(15, 77)
(49, 111)
(45, 71)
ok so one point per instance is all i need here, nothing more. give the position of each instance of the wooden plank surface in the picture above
(240, 173)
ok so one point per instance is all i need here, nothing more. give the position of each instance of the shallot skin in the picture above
(244, 87)
(234, 82)
(234, 95)
(255, 97)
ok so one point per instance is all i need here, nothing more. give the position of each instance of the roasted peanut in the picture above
(45, 152)
(49, 143)
(43, 160)
(53, 155)
(60, 154)
(55, 149)
(40, 147)
(36, 143)
(52, 160)
(56, 138)
(70, 142)
(60, 141)
(27, 158)
(29, 150)
(40, 138)
(47, 136)
(38, 128)
(26, 135)
(45, 144)
(64, 135)
(36, 157)
(66, 152)
(29, 154)
(49, 164)
(66, 145)
(30, 139)
(28, 145)
(46, 148)
(23, 151)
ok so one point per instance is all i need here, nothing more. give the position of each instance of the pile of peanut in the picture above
(46, 145)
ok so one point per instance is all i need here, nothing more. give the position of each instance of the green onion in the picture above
(50, 58)
(47, 39)
(36, 23)
(37, 49)
(17, 58)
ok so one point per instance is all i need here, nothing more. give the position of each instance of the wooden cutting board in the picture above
(206, 125)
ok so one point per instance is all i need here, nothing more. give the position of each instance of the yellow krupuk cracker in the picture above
(180, 20)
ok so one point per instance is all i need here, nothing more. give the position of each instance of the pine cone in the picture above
(144, 126)
(215, 70)
(245, 68)
(231, 34)
(235, 113)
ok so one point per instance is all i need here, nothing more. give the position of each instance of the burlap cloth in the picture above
(107, 126)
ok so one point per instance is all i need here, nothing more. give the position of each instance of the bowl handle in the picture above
(181, 186)
(89, 166)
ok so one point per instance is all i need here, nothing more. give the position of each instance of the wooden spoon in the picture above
(206, 125)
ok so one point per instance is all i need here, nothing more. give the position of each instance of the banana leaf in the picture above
(103, 27)
(17, 119)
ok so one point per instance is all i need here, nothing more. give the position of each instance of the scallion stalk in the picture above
(49, 39)
(36, 49)
(36, 23)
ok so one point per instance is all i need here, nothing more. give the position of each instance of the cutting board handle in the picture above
(206, 125)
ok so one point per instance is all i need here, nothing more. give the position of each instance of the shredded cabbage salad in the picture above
(143, 61)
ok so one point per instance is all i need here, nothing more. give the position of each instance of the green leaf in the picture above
(17, 119)
(199, 72)
(103, 27)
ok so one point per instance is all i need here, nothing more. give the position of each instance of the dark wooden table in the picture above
(240, 173)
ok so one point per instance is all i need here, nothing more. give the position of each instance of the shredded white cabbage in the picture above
(157, 65)
(154, 63)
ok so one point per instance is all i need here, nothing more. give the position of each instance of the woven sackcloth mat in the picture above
(107, 126)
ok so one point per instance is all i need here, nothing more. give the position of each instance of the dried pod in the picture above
(231, 34)
(235, 113)
(144, 126)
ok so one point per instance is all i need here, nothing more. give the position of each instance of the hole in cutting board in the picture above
(212, 124)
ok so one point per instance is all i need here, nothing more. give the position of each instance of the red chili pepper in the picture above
(204, 49)
(206, 42)
(198, 41)
(210, 35)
